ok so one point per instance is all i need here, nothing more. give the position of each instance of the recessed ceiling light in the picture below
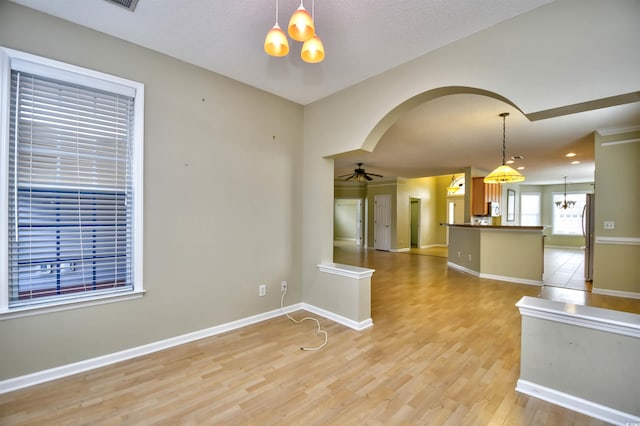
(517, 157)
(571, 154)
(521, 168)
(575, 162)
(510, 161)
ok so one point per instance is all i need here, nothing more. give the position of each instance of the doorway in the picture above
(382, 222)
(416, 207)
(348, 220)
(455, 212)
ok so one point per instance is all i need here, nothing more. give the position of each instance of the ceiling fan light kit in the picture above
(503, 173)
(301, 28)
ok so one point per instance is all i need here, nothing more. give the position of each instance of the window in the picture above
(530, 209)
(568, 221)
(72, 190)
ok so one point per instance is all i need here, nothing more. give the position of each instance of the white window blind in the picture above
(70, 190)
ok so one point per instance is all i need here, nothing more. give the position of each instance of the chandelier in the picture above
(504, 173)
(301, 28)
(453, 188)
(565, 204)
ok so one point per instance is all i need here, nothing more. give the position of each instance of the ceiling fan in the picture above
(359, 174)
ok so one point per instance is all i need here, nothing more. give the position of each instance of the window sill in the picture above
(69, 304)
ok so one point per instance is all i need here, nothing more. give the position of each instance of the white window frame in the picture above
(13, 59)
(522, 212)
(578, 209)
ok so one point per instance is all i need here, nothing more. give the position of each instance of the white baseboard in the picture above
(102, 361)
(577, 404)
(494, 277)
(463, 269)
(511, 279)
(617, 293)
(338, 318)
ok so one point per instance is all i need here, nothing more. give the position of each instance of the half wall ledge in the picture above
(349, 271)
(345, 290)
(582, 358)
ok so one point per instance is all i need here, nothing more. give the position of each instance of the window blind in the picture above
(70, 190)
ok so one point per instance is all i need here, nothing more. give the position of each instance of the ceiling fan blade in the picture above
(367, 177)
(373, 174)
(351, 177)
(348, 174)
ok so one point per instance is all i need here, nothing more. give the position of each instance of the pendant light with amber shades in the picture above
(276, 43)
(312, 49)
(504, 173)
(301, 26)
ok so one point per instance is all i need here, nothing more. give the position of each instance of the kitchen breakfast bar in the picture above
(505, 253)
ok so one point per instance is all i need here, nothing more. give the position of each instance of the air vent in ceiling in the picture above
(127, 4)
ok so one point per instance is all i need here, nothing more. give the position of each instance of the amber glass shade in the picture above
(312, 50)
(276, 44)
(503, 174)
(301, 26)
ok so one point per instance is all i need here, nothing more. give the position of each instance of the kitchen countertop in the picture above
(505, 227)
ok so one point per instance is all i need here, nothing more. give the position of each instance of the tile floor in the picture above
(564, 268)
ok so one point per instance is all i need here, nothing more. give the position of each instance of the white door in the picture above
(382, 222)
(359, 223)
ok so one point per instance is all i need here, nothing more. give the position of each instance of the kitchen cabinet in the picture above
(482, 194)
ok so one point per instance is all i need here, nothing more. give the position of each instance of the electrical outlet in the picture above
(283, 286)
(609, 224)
(262, 290)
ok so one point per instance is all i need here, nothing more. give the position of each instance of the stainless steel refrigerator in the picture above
(588, 224)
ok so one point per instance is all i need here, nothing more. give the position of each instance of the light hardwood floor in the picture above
(444, 349)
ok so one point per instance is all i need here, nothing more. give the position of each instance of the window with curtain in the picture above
(73, 186)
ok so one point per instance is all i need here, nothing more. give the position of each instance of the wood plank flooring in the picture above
(444, 350)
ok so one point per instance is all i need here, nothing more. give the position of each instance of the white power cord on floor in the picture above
(318, 332)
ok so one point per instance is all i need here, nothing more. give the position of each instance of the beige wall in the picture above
(204, 253)
(345, 220)
(512, 254)
(433, 195)
(464, 247)
(220, 192)
(617, 265)
(547, 209)
(511, 59)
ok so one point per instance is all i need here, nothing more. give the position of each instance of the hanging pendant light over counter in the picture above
(504, 173)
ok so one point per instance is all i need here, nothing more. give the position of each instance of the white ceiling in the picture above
(362, 39)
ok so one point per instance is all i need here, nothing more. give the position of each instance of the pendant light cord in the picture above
(504, 138)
